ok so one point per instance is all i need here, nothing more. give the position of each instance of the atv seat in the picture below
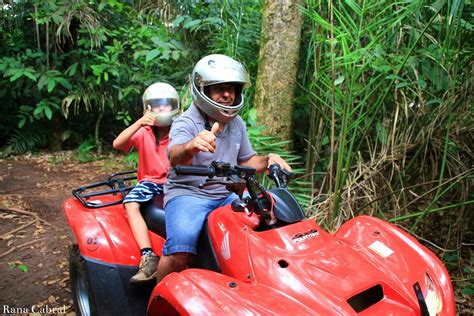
(154, 216)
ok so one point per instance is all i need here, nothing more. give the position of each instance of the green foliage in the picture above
(95, 57)
(22, 141)
(274, 144)
(386, 91)
(20, 266)
(77, 63)
(132, 159)
(123, 116)
(84, 151)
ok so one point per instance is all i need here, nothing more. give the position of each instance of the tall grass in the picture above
(390, 101)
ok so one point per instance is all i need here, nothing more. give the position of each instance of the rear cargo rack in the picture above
(117, 183)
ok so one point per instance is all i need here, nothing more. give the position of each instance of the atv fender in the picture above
(203, 292)
(399, 254)
(104, 233)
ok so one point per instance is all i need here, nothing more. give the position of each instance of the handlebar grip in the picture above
(195, 171)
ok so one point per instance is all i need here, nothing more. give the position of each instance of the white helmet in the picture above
(158, 95)
(216, 69)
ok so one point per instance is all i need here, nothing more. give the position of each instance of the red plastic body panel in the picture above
(410, 260)
(104, 233)
(305, 264)
(201, 292)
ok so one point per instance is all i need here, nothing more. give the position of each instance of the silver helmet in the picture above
(163, 101)
(216, 69)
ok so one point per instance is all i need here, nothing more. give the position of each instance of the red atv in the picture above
(258, 256)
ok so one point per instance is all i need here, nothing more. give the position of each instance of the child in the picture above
(149, 135)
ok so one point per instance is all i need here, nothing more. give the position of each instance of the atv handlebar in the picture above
(280, 176)
(195, 171)
(237, 178)
(216, 169)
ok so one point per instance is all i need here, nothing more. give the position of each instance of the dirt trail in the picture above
(34, 235)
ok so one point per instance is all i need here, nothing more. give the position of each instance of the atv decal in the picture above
(300, 237)
(225, 249)
(380, 249)
(93, 243)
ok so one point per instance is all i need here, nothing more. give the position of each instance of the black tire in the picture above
(84, 304)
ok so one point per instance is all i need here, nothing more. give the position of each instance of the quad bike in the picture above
(257, 256)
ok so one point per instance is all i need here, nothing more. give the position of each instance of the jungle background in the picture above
(370, 100)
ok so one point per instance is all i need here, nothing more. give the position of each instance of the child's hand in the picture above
(148, 119)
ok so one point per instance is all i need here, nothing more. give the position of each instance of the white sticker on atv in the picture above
(380, 248)
(225, 249)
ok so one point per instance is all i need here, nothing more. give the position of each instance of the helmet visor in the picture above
(161, 105)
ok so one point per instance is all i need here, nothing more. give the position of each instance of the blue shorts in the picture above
(144, 191)
(185, 216)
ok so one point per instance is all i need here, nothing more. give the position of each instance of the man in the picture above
(209, 130)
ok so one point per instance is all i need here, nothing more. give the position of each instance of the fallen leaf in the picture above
(52, 282)
(63, 281)
(17, 262)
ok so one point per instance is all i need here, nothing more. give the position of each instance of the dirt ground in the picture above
(34, 235)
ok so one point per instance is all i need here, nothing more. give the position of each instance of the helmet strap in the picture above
(156, 131)
(207, 124)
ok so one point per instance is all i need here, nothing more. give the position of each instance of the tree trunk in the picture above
(57, 132)
(279, 54)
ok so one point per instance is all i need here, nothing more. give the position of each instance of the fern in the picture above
(27, 140)
(274, 144)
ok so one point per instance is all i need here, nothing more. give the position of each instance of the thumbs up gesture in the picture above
(215, 128)
(204, 141)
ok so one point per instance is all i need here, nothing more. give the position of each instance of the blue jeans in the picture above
(185, 216)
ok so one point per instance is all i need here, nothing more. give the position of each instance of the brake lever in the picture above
(287, 173)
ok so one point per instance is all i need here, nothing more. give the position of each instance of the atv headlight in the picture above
(432, 297)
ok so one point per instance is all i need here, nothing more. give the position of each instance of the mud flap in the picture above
(112, 292)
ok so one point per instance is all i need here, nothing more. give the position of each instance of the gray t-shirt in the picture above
(232, 146)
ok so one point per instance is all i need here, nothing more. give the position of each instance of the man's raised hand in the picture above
(204, 141)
